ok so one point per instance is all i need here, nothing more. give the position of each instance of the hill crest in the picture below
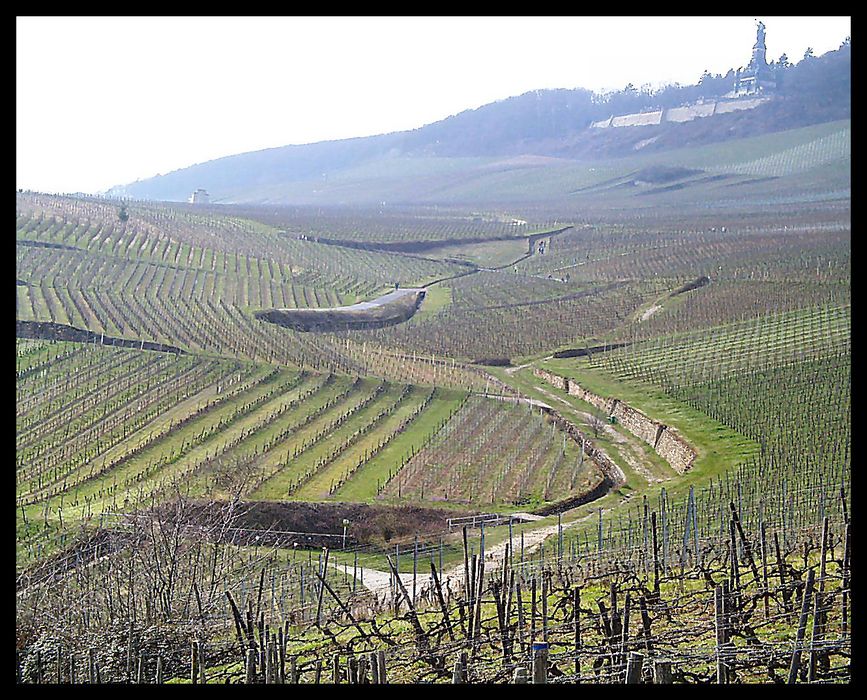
(538, 129)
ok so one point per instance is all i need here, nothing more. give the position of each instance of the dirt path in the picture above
(629, 450)
(532, 540)
(376, 581)
(512, 370)
(652, 310)
(552, 395)
(516, 399)
(494, 555)
(379, 582)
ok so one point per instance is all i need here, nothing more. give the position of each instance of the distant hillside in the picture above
(538, 130)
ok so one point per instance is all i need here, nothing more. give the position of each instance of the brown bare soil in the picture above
(368, 524)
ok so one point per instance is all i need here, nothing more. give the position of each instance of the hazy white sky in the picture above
(102, 101)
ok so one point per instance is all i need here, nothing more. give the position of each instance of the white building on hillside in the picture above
(200, 196)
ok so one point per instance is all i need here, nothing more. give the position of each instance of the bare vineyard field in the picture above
(471, 453)
(731, 608)
(169, 277)
(458, 508)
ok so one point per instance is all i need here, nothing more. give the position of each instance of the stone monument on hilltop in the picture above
(757, 77)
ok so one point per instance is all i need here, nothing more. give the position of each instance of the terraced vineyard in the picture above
(147, 424)
(684, 359)
(470, 455)
(486, 320)
(173, 279)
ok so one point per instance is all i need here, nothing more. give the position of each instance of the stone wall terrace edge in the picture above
(665, 440)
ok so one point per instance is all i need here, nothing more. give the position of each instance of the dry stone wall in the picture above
(664, 439)
(612, 474)
(560, 382)
(636, 422)
(675, 450)
(574, 389)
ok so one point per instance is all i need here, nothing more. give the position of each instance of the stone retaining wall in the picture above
(664, 439)
(675, 450)
(640, 119)
(609, 469)
(574, 389)
(687, 114)
(559, 382)
(679, 114)
(636, 422)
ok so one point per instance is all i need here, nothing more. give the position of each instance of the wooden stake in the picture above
(719, 617)
(765, 588)
(533, 609)
(845, 584)
(818, 629)
(802, 626)
(576, 611)
(374, 668)
(321, 589)
(634, 665)
(380, 655)
(466, 562)
(655, 554)
(540, 662)
(457, 673)
(442, 602)
(362, 670)
(250, 676)
(194, 662)
(824, 554)
(662, 672)
(781, 570)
